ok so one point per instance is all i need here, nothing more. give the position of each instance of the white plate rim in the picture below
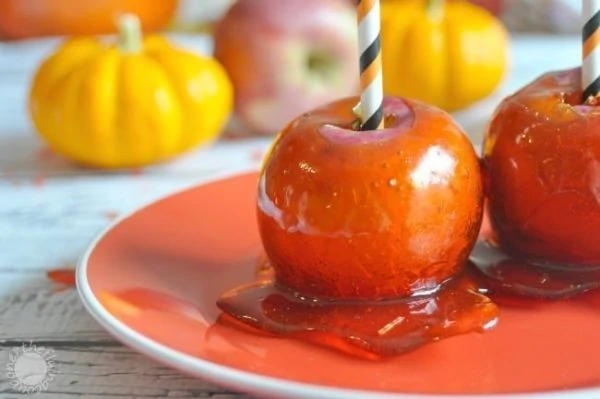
(244, 381)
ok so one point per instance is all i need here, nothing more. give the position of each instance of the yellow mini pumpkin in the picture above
(447, 53)
(128, 104)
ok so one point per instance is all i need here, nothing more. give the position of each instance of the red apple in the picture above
(286, 57)
(370, 214)
(542, 160)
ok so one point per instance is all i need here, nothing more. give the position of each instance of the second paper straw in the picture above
(590, 64)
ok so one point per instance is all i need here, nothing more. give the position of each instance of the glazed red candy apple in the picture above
(369, 214)
(366, 233)
(542, 159)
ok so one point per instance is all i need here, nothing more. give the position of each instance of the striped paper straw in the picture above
(371, 82)
(590, 66)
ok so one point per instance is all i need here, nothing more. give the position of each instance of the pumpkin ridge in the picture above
(99, 112)
(156, 56)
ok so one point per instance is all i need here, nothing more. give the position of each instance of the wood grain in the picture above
(103, 370)
(90, 362)
(36, 310)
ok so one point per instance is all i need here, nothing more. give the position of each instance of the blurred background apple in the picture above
(287, 57)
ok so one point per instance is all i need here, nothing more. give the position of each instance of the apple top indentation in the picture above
(556, 96)
(399, 117)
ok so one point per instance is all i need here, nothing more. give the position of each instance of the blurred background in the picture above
(495, 47)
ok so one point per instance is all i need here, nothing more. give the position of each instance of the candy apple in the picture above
(369, 214)
(542, 163)
(287, 57)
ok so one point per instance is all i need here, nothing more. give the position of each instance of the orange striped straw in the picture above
(590, 35)
(370, 108)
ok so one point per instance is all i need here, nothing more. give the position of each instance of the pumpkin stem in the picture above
(435, 8)
(130, 33)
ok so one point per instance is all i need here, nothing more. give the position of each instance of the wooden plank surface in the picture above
(90, 363)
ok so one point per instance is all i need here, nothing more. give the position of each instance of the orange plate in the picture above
(152, 280)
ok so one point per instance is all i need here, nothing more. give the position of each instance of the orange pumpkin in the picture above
(21, 19)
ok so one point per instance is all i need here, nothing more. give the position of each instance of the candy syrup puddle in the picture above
(377, 329)
(369, 329)
(507, 275)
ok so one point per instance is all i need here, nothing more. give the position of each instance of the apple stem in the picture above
(435, 8)
(357, 111)
(130, 33)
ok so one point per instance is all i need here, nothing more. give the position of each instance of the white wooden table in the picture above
(50, 210)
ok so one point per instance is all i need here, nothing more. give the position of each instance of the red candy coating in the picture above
(542, 162)
(369, 215)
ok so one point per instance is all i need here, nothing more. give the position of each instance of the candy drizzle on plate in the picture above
(503, 275)
(511, 276)
(369, 329)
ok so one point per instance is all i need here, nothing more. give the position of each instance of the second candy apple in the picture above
(287, 57)
(541, 154)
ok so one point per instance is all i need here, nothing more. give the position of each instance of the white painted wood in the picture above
(89, 362)
(50, 210)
